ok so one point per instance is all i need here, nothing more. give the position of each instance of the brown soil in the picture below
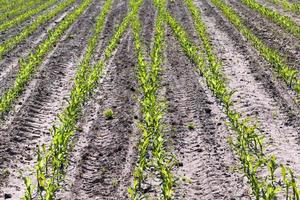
(206, 160)
(17, 28)
(43, 99)
(270, 33)
(294, 16)
(105, 150)
(277, 121)
(9, 63)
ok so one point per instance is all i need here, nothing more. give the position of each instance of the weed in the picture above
(108, 114)
(114, 182)
(51, 164)
(191, 126)
(5, 173)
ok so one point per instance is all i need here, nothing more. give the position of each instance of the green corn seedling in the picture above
(27, 15)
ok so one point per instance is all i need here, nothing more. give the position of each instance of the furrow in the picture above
(27, 15)
(30, 126)
(94, 109)
(199, 134)
(19, 10)
(10, 64)
(256, 101)
(271, 34)
(101, 169)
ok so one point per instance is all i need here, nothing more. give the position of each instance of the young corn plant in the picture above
(288, 6)
(288, 74)
(15, 40)
(31, 63)
(51, 169)
(248, 144)
(152, 111)
(164, 160)
(143, 163)
(27, 15)
(283, 21)
(24, 7)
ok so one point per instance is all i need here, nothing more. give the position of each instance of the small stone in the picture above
(208, 110)
(7, 196)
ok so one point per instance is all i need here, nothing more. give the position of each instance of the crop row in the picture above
(15, 40)
(29, 65)
(145, 142)
(24, 7)
(283, 21)
(52, 163)
(21, 18)
(248, 142)
(9, 4)
(288, 74)
(40, 20)
(289, 6)
(152, 152)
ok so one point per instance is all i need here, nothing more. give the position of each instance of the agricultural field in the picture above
(150, 99)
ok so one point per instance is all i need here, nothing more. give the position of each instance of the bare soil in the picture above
(37, 109)
(105, 150)
(278, 8)
(270, 33)
(9, 62)
(278, 122)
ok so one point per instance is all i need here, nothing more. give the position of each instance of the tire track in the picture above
(95, 107)
(104, 155)
(270, 33)
(281, 10)
(113, 21)
(9, 65)
(109, 150)
(181, 14)
(276, 121)
(45, 99)
(17, 27)
(147, 15)
(204, 155)
(9, 16)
